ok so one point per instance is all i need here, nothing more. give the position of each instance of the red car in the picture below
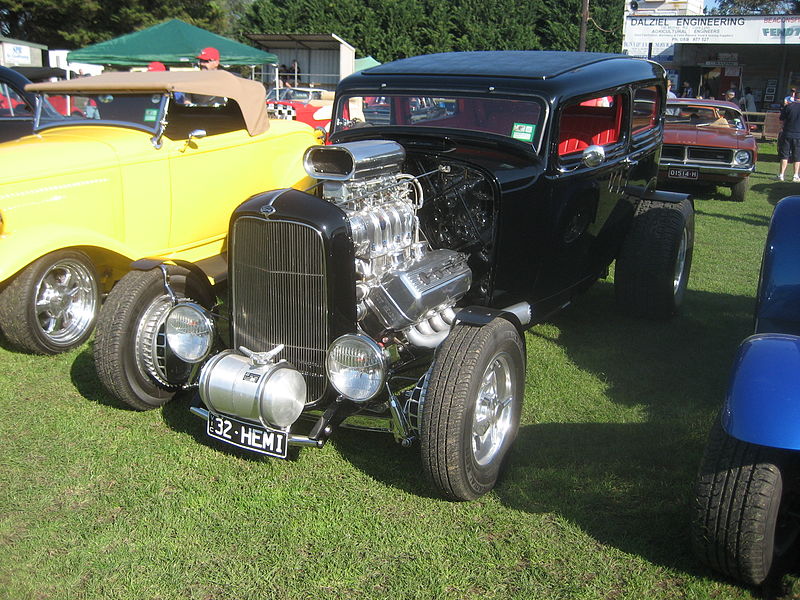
(707, 142)
(307, 105)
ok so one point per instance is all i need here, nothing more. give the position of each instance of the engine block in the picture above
(408, 286)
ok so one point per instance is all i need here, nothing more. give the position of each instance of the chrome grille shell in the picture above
(291, 281)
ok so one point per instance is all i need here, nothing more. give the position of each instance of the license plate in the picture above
(677, 173)
(271, 442)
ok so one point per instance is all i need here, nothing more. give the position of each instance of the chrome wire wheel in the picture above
(680, 263)
(66, 301)
(493, 416)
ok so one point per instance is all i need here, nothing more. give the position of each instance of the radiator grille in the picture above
(716, 155)
(278, 292)
(694, 154)
(675, 152)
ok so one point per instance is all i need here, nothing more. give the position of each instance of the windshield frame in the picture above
(42, 122)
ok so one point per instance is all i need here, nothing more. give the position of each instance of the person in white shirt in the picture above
(748, 101)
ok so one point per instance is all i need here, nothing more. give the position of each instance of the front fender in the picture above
(763, 402)
(778, 299)
(19, 249)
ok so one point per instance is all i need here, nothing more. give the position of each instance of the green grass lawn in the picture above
(102, 502)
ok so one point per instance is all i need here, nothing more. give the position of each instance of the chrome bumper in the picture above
(710, 169)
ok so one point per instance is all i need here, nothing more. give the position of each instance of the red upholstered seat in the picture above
(582, 126)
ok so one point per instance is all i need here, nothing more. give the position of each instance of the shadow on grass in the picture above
(777, 190)
(630, 485)
(84, 378)
(748, 219)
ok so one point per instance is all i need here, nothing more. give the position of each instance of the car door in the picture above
(207, 173)
(587, 193)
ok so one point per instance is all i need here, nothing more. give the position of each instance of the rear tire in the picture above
(471, 410)
(739, 190)
(51, 306)
(652, 269)
(741, 523)
(129, 336)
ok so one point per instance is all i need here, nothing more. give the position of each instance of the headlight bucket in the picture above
(356, 367)
(741, 157)
(189, 330)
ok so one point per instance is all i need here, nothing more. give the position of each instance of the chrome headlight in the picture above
(356, 367)
(190, 331)
(742, 157)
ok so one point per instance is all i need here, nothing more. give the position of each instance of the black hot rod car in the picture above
(464, 198)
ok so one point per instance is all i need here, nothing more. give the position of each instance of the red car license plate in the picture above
(265, 440)
(681, 173)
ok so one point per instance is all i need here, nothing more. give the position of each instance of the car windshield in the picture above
(705, 116)
(517, 119)
(294, 95)
(141, 111)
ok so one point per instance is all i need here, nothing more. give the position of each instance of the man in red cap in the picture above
(209, 58)
(156, 66)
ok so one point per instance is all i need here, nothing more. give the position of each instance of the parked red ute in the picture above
(707, 142)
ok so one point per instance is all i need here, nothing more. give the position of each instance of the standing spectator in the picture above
(736, 93)
(670, 93)
(294, 71)
(748, 101)
(792, 97)
(687, 91)
(789, 139)
(209, 59)
(283, 75)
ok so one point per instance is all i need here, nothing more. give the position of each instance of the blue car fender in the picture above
(778, 298)
(763, 401)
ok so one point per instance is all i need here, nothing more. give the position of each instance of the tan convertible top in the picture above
(249, 95)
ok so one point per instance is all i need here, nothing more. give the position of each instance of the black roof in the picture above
(516, 71)
(507, 63)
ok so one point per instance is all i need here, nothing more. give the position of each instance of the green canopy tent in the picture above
(365, 63)
(172, 42)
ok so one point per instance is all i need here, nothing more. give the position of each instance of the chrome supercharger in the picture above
(253, 386)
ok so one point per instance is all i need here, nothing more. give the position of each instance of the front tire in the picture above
(129, 350)
(51, 306)
(739, 190)
(742, 524)
(652, 269)
(472, 407)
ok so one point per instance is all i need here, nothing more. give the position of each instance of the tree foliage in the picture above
(71, 24)
(391, 29)
(385, 29)
(757, 7)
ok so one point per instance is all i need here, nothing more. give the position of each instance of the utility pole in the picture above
(584, 21)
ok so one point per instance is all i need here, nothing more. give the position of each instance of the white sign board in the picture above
(16, 54)
(708, 29)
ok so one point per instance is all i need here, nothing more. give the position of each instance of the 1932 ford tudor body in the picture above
(464, 198)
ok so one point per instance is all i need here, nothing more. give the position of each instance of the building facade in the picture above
(714, 53)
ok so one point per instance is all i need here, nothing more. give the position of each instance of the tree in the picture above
(757, 7)
(71, 24)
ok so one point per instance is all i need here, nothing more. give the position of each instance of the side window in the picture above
(645, 109)
(12, 104)
(596, 121)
